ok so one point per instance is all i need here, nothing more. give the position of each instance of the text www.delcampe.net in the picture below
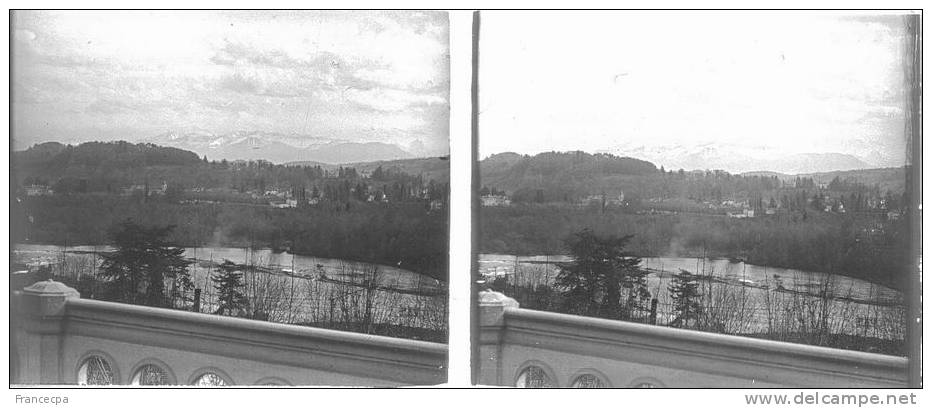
(816, 398)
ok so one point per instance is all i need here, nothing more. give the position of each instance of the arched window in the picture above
(645, 385)
(209, 379)
(646, 382)
(588, 381)
(151, 374)
(534, 377)
(273, 382)
(95, 370)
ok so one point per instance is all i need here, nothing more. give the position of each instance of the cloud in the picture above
(241, 84)
(359, 75)
(389, 100)
(108, 107)
(389, 78)
(737, 78)
(393, 49)
(23, 35)
(234, 53)
(274, 72)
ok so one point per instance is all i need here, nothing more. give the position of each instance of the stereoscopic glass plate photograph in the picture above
(674, 199)
(698, 199)
(229, 197)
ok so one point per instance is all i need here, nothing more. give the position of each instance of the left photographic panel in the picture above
(229, 198)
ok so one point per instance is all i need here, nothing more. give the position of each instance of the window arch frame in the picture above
(200, 372)
(172, 379)
(276, 382)
(653, 382)
(548, 371)
(593, 372)
(107, 358)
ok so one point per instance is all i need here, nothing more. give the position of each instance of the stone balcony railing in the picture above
(58, 338)
(533, 348)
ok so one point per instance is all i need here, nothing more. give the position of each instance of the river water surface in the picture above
(765, 294)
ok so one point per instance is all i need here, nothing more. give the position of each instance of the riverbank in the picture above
(736, 298)
(864, 246)
(542, 269)
(381, 233)
(280, 287)
(264, 260)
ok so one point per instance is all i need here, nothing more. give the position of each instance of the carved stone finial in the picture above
(492, 307)
(490, 297)
(51, 287)
(47, 298)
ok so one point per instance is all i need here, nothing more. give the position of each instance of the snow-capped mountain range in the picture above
(735, 159)
(277, 147)
(284, 148)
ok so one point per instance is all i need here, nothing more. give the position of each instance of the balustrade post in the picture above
(492, 306)
(37, 335)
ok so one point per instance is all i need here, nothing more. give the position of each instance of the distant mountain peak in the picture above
(277, 147)
(738, 159)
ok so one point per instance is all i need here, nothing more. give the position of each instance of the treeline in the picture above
(761, 191)
(401, 234)
(113, 167)
(384, 216)
(55, 156)
(866, 247)
(567, 177)
(558, 175)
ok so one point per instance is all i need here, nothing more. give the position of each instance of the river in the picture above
(855, 306)
(736, 273)
(288, 288)
(280, 262)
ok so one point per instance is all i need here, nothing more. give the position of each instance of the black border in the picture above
(916, 156)
(26, 387)
(914, 296)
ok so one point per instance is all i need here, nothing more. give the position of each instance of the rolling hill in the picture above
(562, 175)
(567, 176)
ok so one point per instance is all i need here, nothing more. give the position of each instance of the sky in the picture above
(762, 83)
(106, 75)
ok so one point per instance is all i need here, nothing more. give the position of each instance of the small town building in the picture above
(38, 190)
(495, 201)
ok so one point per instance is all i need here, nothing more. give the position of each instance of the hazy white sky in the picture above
(362, 76)
(781, 82)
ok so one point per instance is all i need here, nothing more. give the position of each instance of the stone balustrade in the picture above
(532, 348)
(59, 338)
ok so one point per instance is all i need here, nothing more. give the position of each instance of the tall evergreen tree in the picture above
(684, 290)
(231, 299)
(144, 265)
(602, 280)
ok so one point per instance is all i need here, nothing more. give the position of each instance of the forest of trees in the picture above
(604, 278)
(113, 167)
(566, 177)
(386, 217)
(852, 223)
(865, 247)
(394, 234)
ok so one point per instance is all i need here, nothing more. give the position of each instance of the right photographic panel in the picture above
(698, 199)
